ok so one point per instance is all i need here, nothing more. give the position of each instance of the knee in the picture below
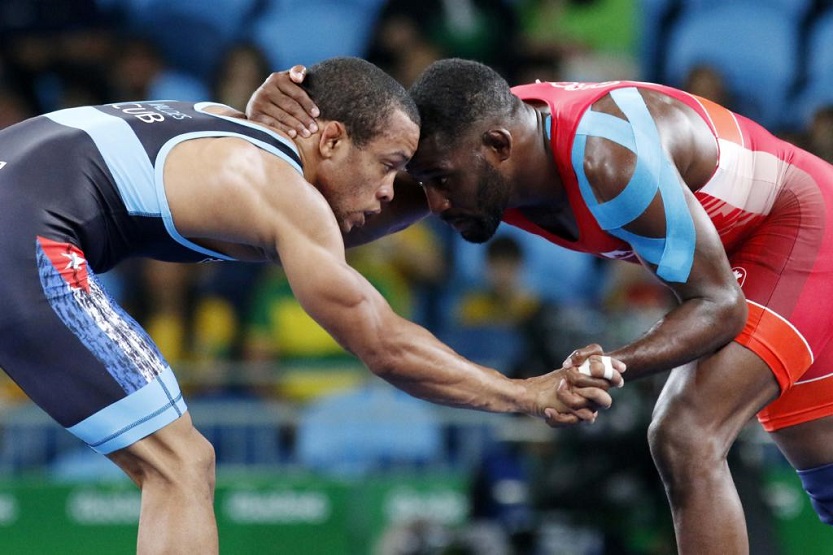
(195, 459)
(680, 442)
(187, 462)
(179, 457)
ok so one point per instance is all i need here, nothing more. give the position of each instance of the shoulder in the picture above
(653, 123)
(229, 189)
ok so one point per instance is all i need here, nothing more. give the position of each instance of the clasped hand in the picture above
(568, 395)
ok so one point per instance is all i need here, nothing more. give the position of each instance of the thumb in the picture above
(297, 73)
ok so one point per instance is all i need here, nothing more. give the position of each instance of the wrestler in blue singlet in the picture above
(80, 190)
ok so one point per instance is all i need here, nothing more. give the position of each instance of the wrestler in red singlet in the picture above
(770, 202)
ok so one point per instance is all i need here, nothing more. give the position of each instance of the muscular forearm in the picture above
(692, 330)
(413, 360)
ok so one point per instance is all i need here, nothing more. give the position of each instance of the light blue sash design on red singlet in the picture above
(673, 254)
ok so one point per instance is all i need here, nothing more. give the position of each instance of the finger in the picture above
(269, 114)
(556, 419)
(580, 355)
(577, 398)
(296, 107)
(603, 366)
(282, 103)
(577, 380)
(576, 377)
(297, 73)
(269, 107)
(592, 396)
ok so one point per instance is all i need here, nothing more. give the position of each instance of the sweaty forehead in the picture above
(438, 157)
(401, 130)
(427, 160)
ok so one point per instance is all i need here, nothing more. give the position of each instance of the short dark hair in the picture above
(359, 95)
(453, 94)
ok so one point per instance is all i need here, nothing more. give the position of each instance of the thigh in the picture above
(719, 394)
(75, 352)
(807, 445)
(784, 269)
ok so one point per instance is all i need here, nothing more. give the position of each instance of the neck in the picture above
(537, 181)
(305, 148)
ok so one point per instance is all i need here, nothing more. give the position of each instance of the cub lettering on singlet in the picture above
(150, 112)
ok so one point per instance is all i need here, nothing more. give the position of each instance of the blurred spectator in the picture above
(595, 39)
(194, 325)
(707, 81)
(50, 46)
(14, 107)
(281, 336)
(503, 300)
(483, 30)
(581, 277)
(820, 133)
(409, 35)
(400, 45)
(139, 72)
(166, 314)
(634, 301)
(242, 69)
(293, 357)
(279, 330)
(415, 258)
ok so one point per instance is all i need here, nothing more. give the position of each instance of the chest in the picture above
(558, 220)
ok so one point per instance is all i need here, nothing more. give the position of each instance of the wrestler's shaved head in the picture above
(452, 94)
(359, 95)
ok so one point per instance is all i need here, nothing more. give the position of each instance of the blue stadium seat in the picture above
(820, 46)
(818, 89)
(229, 17)
(306, 32)
(752, 45)
(655, 18)
(372, 428)
(789, 8)
(817, 94)
(192, 34)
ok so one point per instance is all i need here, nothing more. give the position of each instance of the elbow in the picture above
(732, 318)
(386, 362)
(384, 355)
(382, 366)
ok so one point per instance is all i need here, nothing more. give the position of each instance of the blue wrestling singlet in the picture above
(80, 190)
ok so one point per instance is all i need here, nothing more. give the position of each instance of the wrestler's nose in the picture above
(437, 201)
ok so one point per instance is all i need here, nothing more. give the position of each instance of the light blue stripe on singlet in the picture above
(122, 151)
(162, 199)
(201, 107)
(165, 210)
(134, 417)
(654, 171)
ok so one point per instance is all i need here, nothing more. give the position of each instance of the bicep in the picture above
(636, 193)
(330, 291)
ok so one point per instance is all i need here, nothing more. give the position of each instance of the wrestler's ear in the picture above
(498, 140)
(332, 137)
